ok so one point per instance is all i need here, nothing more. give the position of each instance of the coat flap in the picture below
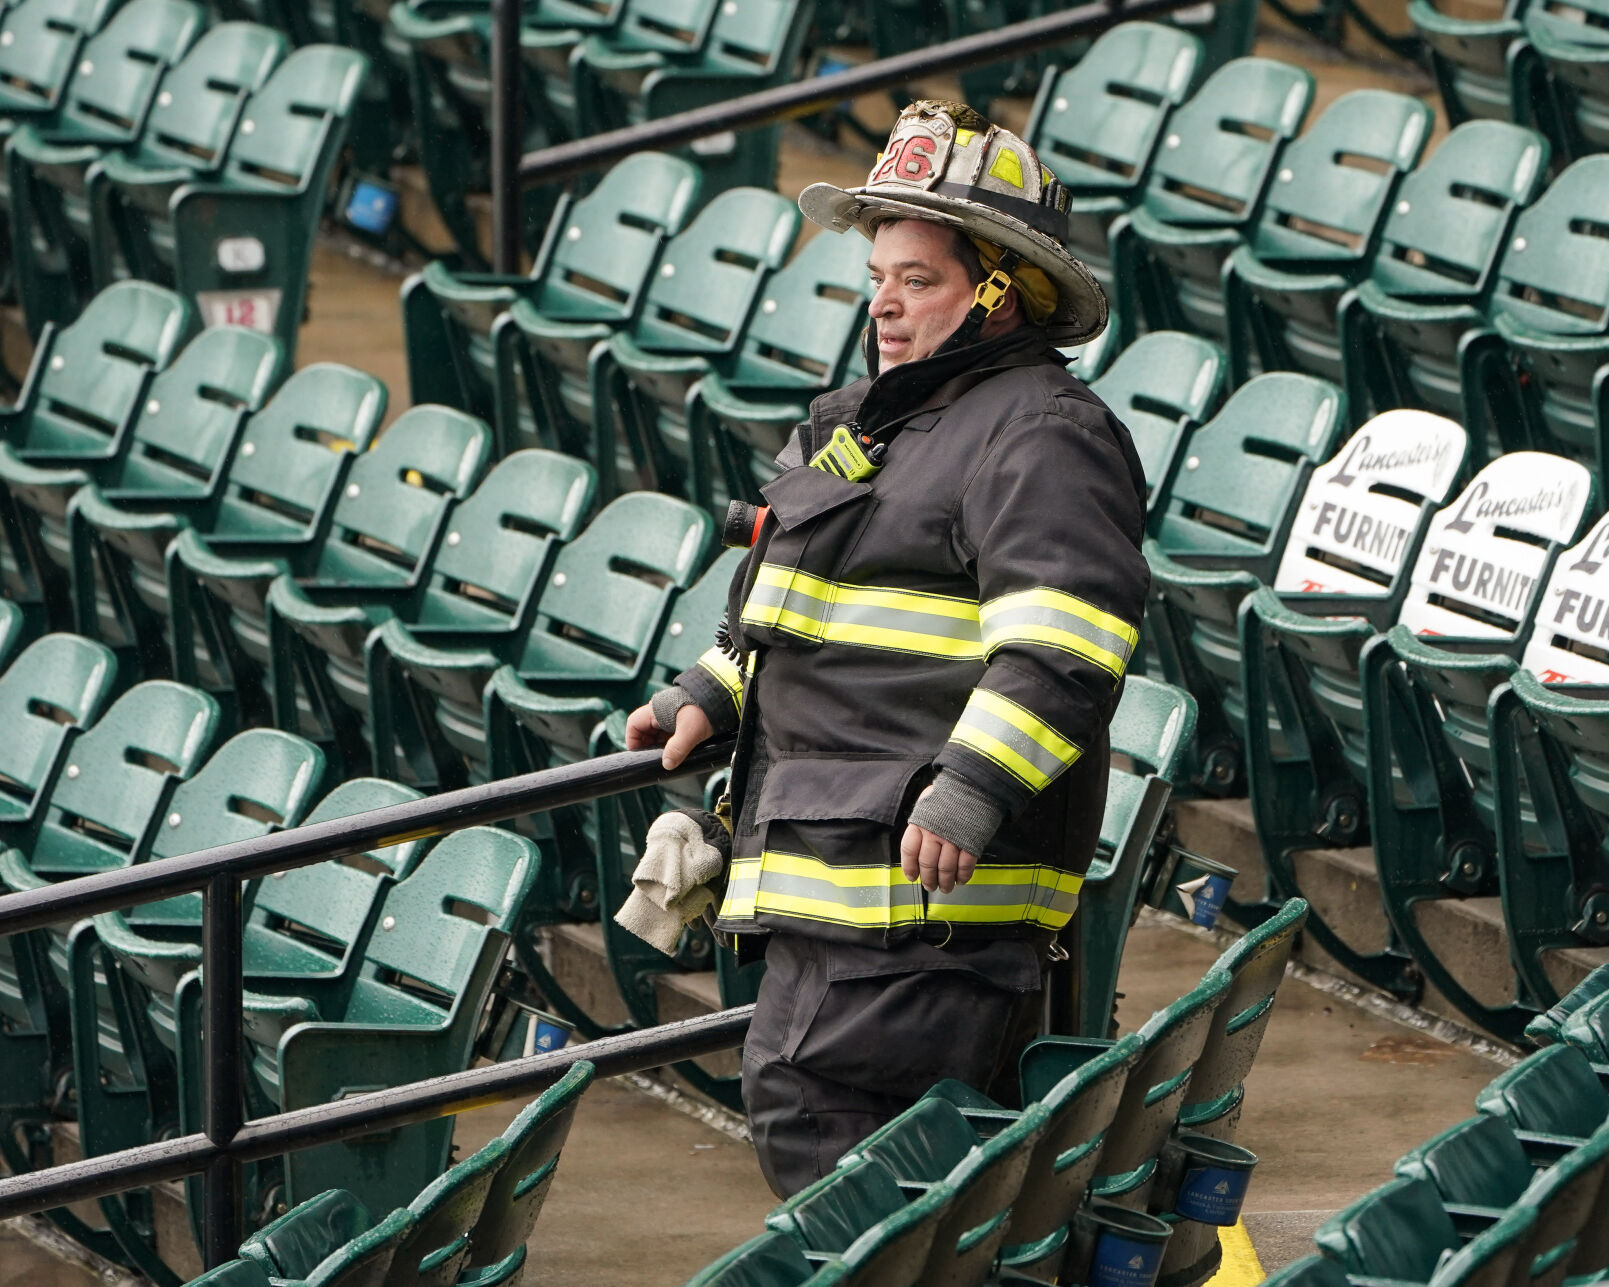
(832, 787)
(802, 494)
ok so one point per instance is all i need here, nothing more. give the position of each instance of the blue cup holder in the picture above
(1214, 1179)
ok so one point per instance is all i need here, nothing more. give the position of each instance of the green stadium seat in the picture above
(1586, 1029)
(293, 1245)
(1403, 330)
(279, 479)
(105, 106)
(1318, 233)
(709, 283)
(1356, 530)
(597, 624)
(1553, 1100)
(1551, 308)
(1478, 1167)
(1399, 1231)
(497, 1243)
(1309, 1271)
(485, 576)
(233, 1273)
(1162, 387)
(1314, 767)
(409, 1011)
(592, 270)
(1098, 124)
(548, 38)
(1469, 57)
(607, 70)
(766, 1260)
(183, 429)
(14, 631)
(1548, 1029)
(1206, 187)
(1496, 1257)
(185, 136)
(1154, 728)
(86, 385)
(40, 45)
(368, 1259)
(1564, 54)
(798, 343)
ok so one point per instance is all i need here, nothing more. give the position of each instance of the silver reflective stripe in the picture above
(986, 721)
(1003, 623)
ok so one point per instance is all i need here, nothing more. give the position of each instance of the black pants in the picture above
(845, 1038)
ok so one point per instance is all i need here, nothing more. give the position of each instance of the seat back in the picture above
(1256, 967)
(895, 1251)
(193, 410)
(1570, 641)
(290, 125)
(1309, 1271)
(669, 26)
(1553, 1092)
(1450, 223)
(502, 536)
(830, 1214)
(608, 589)
(117, 774)
(39, 45)
(1097, 125)
(1236, 492)
(810, 318)
(1161, 387)
(1495, 1257)
(445, 1212)
(1398, 1231)
(1483, 556)
(517, 1193)
(1221, 146)
(923, 1144)
(256, 782)
(89, 379)
(121, 65)
(1477, 1163)
(599, 260)
(291, 453)
(1358, 521)
(710, 275)
(292, 1246)
(1568, 1209)
(55, 684)
(766, 1260)
(366, 1260)
(986, 1183)
(759, 38)
(199, 105)
(698, 611)
(397, 495)
(233, 1273)
(1555, 274)
(1335, 181)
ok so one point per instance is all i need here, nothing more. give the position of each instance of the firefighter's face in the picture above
(921, 290)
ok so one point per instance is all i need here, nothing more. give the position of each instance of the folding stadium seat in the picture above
(1478, 1167)
(597, 625)
(105, 106)
(1309, 1271)
(548, 38)
(1206, 186)
(1356, 530)
(1153, 728)
(408, 1010)
(802, 341)
(382, 532)
(1469, 57)
(607, 69)
(84, 389)
(1548, 1029)
(182, 425)
(1078, 1111)
(1162, 387)
(1316, 771)
(1098, 124)
(184, 137)
(273, 486)
(14, 633)
(766, 1260)
(1232, 505)
(1587, 1029)
(497, 1243)
(736, 240)
(596, 260)
(233, 1273)
(239, 241)
(1557, 75)
(1403, 330)
(1400, 1231)
(1317, 233)
(1553, 1100)
(481, 581)
(1551, 308)
(695, 314)
(368, 1258)
(40, 44)
(1153, 1093)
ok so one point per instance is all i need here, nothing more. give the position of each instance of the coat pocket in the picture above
(838, 787)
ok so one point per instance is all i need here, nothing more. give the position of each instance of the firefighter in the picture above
(921, 656)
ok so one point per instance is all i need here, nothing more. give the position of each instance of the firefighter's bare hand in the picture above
(928, 857)
(692, 727)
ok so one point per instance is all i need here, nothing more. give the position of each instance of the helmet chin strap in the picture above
(986, 302)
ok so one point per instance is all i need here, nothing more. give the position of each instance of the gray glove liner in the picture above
(959, 812)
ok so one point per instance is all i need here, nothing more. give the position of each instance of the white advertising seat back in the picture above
(1570, 644)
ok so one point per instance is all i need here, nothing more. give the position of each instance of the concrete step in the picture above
(1468, 935)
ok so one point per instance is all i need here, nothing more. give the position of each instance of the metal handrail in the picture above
(226, 1139)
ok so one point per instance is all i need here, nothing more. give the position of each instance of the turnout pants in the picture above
(844, 1038)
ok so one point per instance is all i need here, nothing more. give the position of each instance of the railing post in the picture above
(221, 1228)
(506, 136)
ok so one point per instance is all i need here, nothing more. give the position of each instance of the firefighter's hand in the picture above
(692, 727)
(929, 857)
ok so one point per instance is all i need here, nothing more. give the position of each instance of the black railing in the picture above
(784, 102)
(226, 1140)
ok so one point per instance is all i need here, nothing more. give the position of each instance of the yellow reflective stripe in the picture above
(1014, 738)
(724, 671)
(1058, 620)
(933, 625)
(880, 897)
